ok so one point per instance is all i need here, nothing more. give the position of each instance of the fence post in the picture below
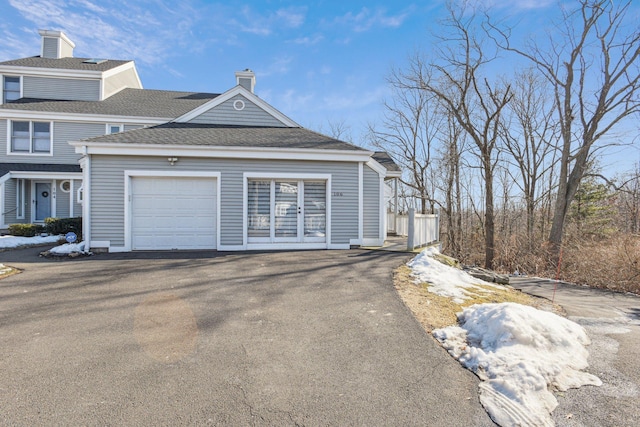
(411, 229)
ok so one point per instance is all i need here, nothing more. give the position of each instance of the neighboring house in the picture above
(49, 99)
(183, 170)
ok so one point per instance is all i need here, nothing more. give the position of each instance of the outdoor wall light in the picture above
(172, 160)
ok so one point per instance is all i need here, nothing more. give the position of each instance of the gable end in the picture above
(239, 111)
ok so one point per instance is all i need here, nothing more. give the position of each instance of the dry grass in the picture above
(435, 311)
(6, 271)
(612, 264)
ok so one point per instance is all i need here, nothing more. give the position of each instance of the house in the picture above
(163, 170)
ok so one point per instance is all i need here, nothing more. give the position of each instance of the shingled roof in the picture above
(64, 63)
(128, 102)
(191, 134)
(30, 167)
(386, 160)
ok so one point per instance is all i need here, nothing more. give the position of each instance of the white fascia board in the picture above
(83, 147)
(377, 167)
(78, 117)
(45, 175)
(50, 72)
(238, 90)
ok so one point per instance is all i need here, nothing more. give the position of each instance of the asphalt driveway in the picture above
(285, 338)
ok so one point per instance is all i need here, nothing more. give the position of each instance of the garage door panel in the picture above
(173, 213)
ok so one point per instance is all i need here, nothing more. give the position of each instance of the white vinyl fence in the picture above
(420, 229)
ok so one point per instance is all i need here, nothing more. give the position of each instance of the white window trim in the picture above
(62, 186)
(30, 152)
(2, 86)
(20, 198)
(120, 127)
(285, 176)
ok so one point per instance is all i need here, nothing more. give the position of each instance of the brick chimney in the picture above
(56, 45)
(246, 79)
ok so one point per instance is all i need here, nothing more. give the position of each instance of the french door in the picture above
(286, 211)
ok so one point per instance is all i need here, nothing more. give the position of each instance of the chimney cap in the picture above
(246, 79)
(57, 34)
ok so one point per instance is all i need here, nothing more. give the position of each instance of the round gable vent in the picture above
(238, 105)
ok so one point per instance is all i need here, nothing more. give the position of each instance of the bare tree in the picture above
(530, 139)
(455, 79)
(407, 133)
(593, 68)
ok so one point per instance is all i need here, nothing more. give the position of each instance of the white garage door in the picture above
(173, 213)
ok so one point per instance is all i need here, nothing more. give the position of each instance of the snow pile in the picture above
(15, 241)
(69, 248)
(444, 280)
(519, 352)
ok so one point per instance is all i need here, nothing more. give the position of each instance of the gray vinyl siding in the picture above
(50, 47)
(9, 208)
(132, 127)
(63, 132)
(107, 192)
(225, 114)
(63, 89)
(62, 201)
(371, 203)
(117, 82)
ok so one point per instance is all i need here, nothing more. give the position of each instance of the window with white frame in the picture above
(111, 128)
(30, 137)
(10, 88)
(20, 198)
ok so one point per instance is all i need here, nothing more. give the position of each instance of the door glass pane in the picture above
(286, 209)
(315, 210)
(259, 208)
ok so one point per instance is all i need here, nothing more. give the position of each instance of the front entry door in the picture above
(43, 201)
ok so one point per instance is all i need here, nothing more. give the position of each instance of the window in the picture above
(30, 137)
(65, 186)
(20, 199)
(10, 89)
(80, 194)
(113, 129)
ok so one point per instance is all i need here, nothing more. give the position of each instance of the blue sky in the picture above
(317, 61)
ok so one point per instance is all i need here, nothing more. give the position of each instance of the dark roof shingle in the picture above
(128, 102)
(29, 167)
(64, 63)
(191, 134)
(386, 160)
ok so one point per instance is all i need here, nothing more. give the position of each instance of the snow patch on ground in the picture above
(7, 242)
(69, 248)
(444, 280)
(522, 354)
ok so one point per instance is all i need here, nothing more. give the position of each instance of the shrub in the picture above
(25, 230)
(64, 225)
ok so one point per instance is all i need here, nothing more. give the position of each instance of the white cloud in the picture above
(113, 29)
(367, 19)
(308, 41)
(264, 25)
